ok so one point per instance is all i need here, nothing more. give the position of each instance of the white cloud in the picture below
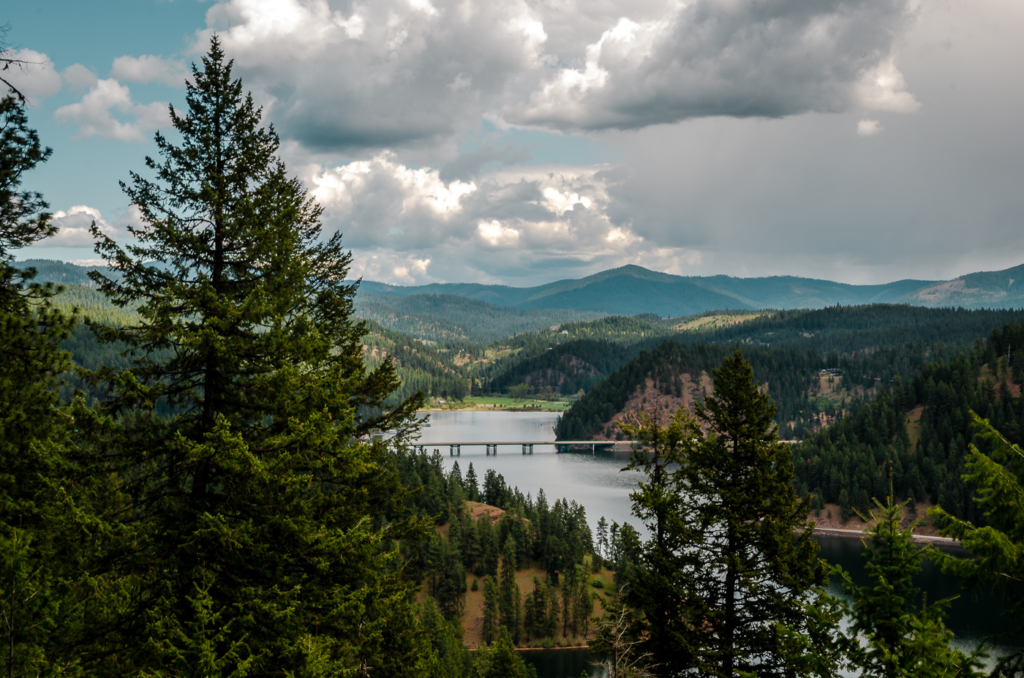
(494, 234)
(73, 227)
(148, 68)
(883, 89)
(79, 78)
(94, 114)
(398, 269)
(36, 77)
(507, 224)
(867, 128)
(386, 187)
(380, 74)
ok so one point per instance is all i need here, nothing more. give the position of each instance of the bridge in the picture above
(455, 448)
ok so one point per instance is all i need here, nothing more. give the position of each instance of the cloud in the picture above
(398, 269)
(342, 76)
(469, 165)
(867, 128)
(380, 74)
(36, 78)
(494, 234)
(73, 227)
(148, 68)
(741, 58)
(79, 78)
(508, 224)
(94, 114)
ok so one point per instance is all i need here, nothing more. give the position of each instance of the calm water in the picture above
(596, 482)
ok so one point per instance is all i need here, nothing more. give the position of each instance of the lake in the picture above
(596, 482)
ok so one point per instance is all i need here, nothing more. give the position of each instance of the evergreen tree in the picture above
(996, 548)
(759, 585)
(529, 617)
(508, 590)
(492, 614)
(244, 524)
(34, 608)
(448, 658)
(472, 488)
(903, 639)
(553, 611)
(748, 589)
(663, 586)
(602, 538)
(23, 216)
(451, 586)
(501, 660)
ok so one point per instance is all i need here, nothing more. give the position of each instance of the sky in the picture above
(525, 141)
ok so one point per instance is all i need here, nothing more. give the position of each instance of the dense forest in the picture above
(421, 367)
(446, 317)
(555, 538)
(855, 350)
(917, 431)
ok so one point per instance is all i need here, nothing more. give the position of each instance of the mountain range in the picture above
(631, 290)
(478, 312)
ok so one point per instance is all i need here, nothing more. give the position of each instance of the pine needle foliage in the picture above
(725, 585)
(906, 636)
(997, 549)
(240, 523)
(33, 428)
(23, 216)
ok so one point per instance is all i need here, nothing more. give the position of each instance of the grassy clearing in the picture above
(914, 426)
(715, 322)
(509, 403)
(473, 611)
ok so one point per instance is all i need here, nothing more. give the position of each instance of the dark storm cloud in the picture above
(391, 73)
(736, 58)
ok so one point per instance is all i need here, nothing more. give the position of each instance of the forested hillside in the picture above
(674, 374)
(447, 317)
(61, 272)
(842, 329)
(421, 367)
(922, 426)
(859, 349)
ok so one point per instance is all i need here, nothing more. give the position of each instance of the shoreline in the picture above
(490, 409)
(861, 534)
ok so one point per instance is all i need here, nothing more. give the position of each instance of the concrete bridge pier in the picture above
(527, 448)
(455, 450)
(492, 449)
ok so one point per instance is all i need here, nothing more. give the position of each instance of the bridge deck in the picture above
(525, 442)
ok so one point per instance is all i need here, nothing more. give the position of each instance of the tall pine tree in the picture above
(34, 612)
(736, 591)
(244, 524)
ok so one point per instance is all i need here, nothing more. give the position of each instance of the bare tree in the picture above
(618, 638)
(7, 60)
